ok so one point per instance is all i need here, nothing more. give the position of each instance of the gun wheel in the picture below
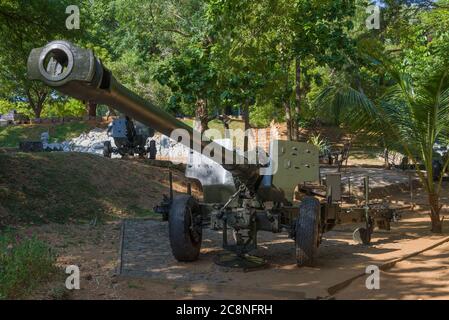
(185, 228)
(107, 149)
(307, 234)
(362, 236)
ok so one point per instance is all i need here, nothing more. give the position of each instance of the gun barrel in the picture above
(76, 72)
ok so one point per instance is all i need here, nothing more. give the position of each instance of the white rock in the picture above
(93, 141)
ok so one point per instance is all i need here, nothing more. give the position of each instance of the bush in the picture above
(63, 108)
(321, 143)
(52, 108)
(24, 263)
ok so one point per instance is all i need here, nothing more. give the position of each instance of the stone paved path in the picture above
(146, 251)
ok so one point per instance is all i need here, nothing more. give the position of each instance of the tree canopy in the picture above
(269, 57)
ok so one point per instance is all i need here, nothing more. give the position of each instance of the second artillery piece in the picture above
(237, 196)
(129, 139)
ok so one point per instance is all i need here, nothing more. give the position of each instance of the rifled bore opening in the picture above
(56, 62)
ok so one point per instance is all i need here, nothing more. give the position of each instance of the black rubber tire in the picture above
(107, 149)
(307, 232)
(184, 242)
(152, 150)
(361, 236)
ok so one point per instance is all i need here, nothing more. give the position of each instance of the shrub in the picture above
(321, 143)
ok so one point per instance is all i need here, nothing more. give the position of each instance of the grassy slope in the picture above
(72, 187)
(10, 136)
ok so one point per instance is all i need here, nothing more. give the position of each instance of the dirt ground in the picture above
(95, 249)
(425, 276)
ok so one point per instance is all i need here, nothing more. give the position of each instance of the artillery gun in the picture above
(238, 195)
(129, 139)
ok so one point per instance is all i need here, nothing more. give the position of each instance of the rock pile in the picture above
(93, 142)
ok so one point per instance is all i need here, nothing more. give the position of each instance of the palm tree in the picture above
(415, 115)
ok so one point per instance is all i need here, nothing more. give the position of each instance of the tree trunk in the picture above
(91, 109)
(437, 223)
(288, 119)
(386, 156)
(295, 129)
(201, 115)
(247, 126)
(287, 107)
(38, 110)
(37, 105)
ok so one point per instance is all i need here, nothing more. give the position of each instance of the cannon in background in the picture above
(238, 195)
(129, 139)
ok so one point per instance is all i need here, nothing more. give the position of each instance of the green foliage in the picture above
(25, 262)
(411, 115)
(64, 108)
(189, 76)
(262, 115)
(259, 42)
(321, 143)
(54, 109)
(21, 107)
(6, 106)
(228, 54)
(25, 25)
